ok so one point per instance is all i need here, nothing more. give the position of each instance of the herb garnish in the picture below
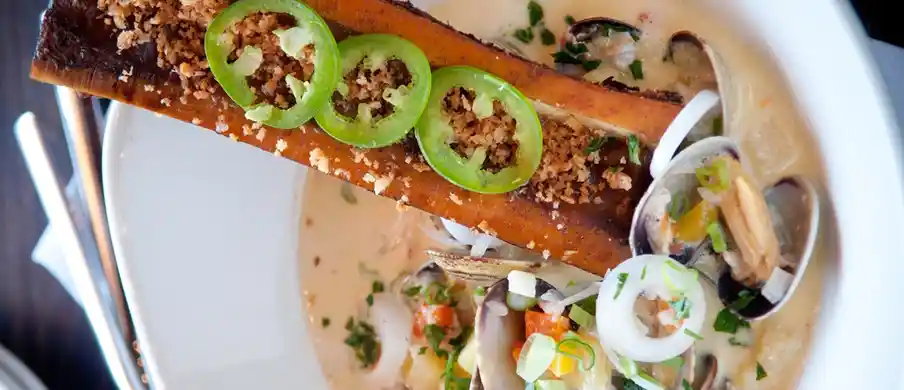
(643, 272)
(534, 12)
(480, 291)
(588, 304)
(728, 322)
(595, 144)
(363, 340)
(435, 334)
(437, 294)
(636, 69)
(525, 35)
(571, 283)
(377, 287)
(693, 334)
(563, 57)
(685, 385)
(458, 344)
(591, 64)
(422, 351)
(736, 343)
(760, 372)
(369, 299)
(633, 149)
(412, 291)
(622, 278)
(547, 37)
(325, 322)
(744, 299)
(569, 20)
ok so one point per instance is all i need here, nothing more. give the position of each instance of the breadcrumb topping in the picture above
(495, 133)
(371, 87)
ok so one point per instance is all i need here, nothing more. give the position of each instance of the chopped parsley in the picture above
(643, 272)
(435, 334)
(563, 57)
(693, 334)
(480, 291)
(363, 340)
(685, 385)
(591, 64)
(622, 278)
(636, 69)
(760, 372)
(728, 322)
(633, 149)
(588, 304)
(325, 322)
(525, 35)
(576, 48)
(571, 283)
(369, 299)
(569, 20)
(412, 291)
(453, 382)
(422, 351)
(676, 362)
(377, 287)
(534, 12)
(595, 144)
(744, 299)
(547, 37)
(437, 294)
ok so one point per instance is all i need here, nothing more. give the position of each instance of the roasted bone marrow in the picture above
(576, 205)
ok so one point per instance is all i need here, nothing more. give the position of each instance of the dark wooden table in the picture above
(39, 322)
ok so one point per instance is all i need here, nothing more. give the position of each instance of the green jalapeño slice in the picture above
(385, 86)
(479, 132)
(277, 59)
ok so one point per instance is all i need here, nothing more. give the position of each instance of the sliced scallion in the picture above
(586, 355)
(693, 334)
(622, 278)
(714, 230)
(581, 317)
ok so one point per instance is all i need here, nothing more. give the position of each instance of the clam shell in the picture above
(495, 334)
(480, 270)
(794, 214)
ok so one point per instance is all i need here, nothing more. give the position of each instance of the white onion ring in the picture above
(392, 323)
(617, 328)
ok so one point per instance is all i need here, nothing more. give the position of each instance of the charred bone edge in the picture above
(495, 336)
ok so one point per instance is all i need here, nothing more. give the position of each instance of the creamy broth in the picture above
(345, 246)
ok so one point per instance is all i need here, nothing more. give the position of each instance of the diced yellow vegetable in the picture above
(562, 364)
(691, 227)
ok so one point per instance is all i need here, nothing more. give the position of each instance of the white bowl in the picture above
(205, 230)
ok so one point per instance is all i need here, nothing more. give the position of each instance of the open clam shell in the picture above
(779, 223)
(479, 270)
(496, 330)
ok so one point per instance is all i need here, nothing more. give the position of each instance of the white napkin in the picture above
(890, 60)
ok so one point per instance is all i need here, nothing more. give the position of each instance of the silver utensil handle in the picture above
(86, 274)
